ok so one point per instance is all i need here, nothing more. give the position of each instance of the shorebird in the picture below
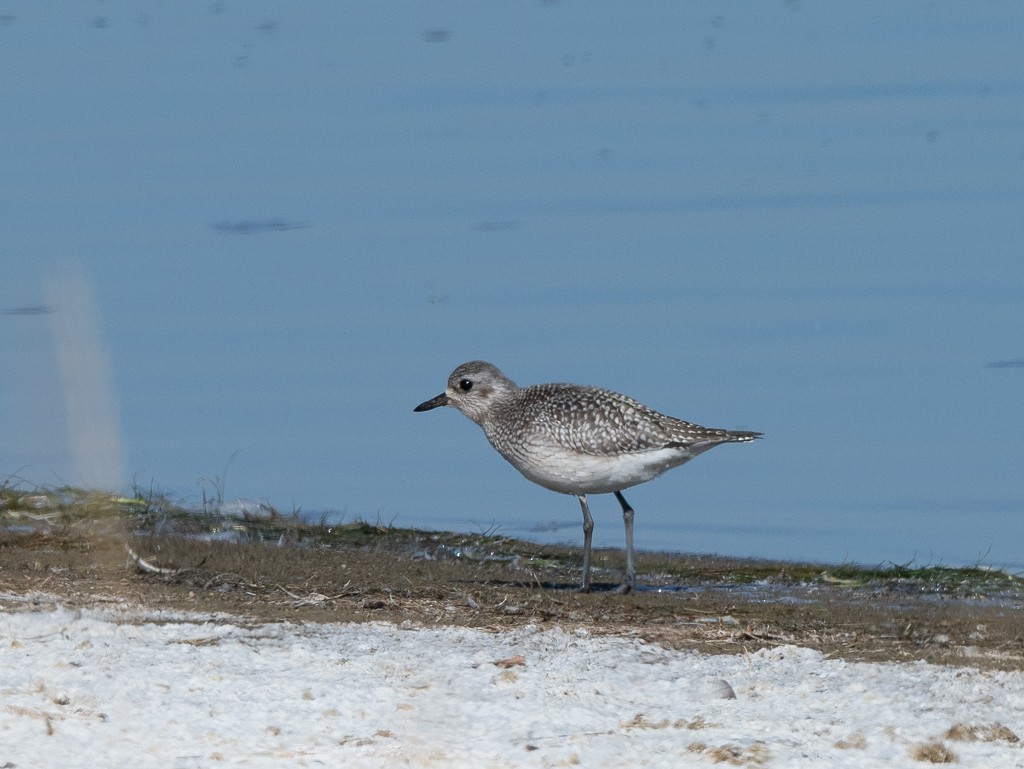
(578, 440)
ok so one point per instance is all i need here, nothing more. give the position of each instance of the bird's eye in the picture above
(466, 385)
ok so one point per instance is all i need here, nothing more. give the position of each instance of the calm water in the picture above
(259, 234)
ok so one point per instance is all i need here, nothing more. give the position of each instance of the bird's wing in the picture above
(613, 424)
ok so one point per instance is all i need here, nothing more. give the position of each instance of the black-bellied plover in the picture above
(578, 440)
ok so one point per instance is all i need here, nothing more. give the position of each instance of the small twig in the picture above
(312, 599)
(146, 566)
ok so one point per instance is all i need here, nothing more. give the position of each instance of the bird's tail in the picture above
(742, 436)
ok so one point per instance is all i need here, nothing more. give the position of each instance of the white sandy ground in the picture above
(112, 687)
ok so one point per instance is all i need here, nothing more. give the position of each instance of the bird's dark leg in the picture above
(627, 517)
(588, 535)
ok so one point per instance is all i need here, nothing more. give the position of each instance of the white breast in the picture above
(571, 473)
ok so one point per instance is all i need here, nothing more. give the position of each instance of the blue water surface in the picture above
(800, 218)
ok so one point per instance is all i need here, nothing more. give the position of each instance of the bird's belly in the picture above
(571, 473)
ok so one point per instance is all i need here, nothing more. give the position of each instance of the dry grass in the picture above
(283, 571)
(933, 753)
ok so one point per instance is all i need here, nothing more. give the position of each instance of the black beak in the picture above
(433, 403)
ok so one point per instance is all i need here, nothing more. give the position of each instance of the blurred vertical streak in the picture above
(93, 425)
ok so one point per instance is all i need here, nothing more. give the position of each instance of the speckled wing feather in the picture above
(605, 423)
